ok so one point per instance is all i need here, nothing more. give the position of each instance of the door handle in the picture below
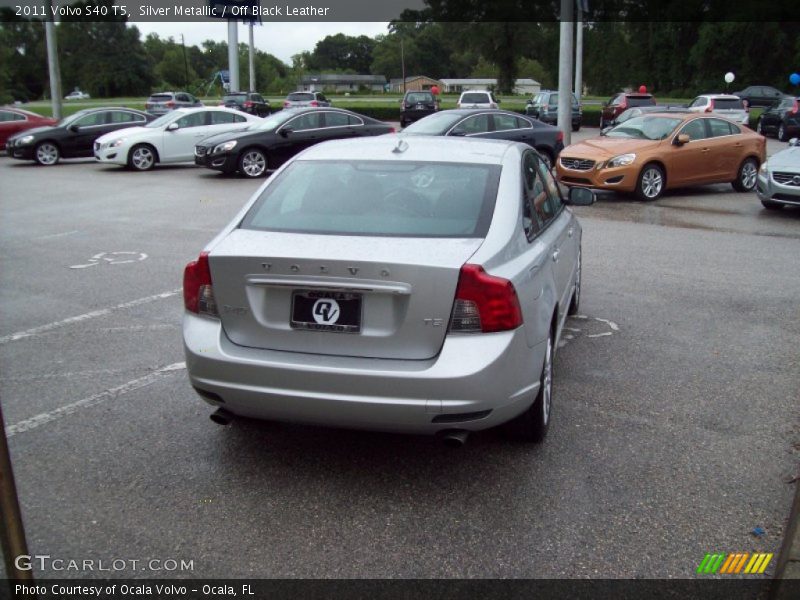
(555, 256)
(571, 231)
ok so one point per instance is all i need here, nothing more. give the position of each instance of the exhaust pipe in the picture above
(455, 438)
(221, 416)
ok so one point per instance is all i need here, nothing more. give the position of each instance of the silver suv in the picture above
(164, 102)
(477, 99)
(298, 99)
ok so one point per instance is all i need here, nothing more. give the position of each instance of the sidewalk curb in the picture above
(788, 564)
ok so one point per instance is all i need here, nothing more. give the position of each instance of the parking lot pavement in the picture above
(675, 403)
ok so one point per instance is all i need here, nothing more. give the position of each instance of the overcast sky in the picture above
(279, 39)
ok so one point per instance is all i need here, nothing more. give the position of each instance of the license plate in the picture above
(326, 311)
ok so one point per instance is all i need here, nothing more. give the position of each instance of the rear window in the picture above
(235, 97)
(376, 198)
(728, 103)
(160, 98)
(476, 98)
(419, 97)
(641, 101)
(300, 97)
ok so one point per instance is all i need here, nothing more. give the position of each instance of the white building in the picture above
(523, 87)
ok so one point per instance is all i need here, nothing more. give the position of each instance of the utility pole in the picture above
(403, 64)
(579, 52)
(185, 64)
(233, 55)
(252, 60)
(52, 63)
(565, 71)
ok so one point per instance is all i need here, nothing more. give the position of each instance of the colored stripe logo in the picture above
(735, 563)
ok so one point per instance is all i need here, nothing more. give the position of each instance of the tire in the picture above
(532, 425)
(769, 204)
(253, 163)
(403, 124)
(142, 157)
(783, 135)
(547, 158)
(575, 303)
(576, 127)
(651, 183)
(746, 176)
(47, 154)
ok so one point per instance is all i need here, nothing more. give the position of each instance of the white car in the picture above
(77, 95)
(477, 99)
(170, 138)
(725, 105)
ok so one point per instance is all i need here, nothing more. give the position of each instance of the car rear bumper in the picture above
(476, 382)
(768, 189)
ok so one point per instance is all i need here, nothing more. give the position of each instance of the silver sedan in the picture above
(410, 285)
(778, 182)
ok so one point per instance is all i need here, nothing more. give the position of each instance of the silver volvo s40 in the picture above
(409, 285)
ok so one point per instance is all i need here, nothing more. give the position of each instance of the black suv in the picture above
(544, 106)
(781, 119)
(249, 102)
(416, 105)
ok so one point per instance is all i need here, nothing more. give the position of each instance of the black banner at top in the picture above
(398, 10)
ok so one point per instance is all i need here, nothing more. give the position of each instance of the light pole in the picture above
(565, 71)
(52, 63)
(579, 49)
(233, 55)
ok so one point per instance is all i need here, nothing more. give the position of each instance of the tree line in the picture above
(681, 59)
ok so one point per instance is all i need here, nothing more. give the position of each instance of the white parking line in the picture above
(109, 394)
(90, 315)
(56, 235)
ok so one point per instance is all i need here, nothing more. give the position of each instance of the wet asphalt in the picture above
(675, 431)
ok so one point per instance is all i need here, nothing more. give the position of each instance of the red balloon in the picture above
(642, 89)
(435, 90)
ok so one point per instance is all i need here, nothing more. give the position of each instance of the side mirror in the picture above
(173, 126)
(284, 133)
(580, 196)
(682, 139)
(74, 128)
(794, 142)
(498, 100)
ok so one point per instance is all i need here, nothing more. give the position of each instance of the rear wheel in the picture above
(142, 157)
(576, 127)
(783, 135)
(532, 425)
(253, 163)
(575, 303)
(47, 154)
(746, 177)
(771, 205)
(651, 183)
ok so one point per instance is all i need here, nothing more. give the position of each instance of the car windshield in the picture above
(300, 97)
(275, 120)
(160, 98)
(645, 128)
(377, 198)
(475, 98)
(164, 119)
(434, 124)
(71, 118)
(419, 97)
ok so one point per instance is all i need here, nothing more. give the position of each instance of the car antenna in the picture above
(401, 146)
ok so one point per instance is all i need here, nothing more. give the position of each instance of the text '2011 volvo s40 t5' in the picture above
(413, 285)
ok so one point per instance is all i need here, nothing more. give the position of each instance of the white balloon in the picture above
(729, 77)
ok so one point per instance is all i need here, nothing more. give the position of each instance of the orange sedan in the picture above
(657, 151)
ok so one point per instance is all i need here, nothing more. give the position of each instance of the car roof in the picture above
(420, 148)
(474, 111)
(719, 96)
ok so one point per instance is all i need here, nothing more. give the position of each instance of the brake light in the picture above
(198, 294)
(392, 130)
(314, 103)
(560, 136)
(795, 107)
(170, 104)
(484, 303)
(248, 104)
(710, 107)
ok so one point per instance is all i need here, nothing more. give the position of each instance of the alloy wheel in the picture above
(748, 175)
(142, 158)
(652, 182)
(254, 164)
(547, 381)
(47, 154)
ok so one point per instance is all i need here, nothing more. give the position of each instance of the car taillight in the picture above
(170, 104)
(795, 107)
(248, 104)
(198, 294)
(710, 107)
(484, 303)
(560, 136)
(314, 103)
(285, 104)
(392, 130)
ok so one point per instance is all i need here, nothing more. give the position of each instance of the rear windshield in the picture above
(419, 97)
(236, 97)
(475, 98)
(160, 98)
(641, 101)
(300, 97)
(376, 198)
(728, 103)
